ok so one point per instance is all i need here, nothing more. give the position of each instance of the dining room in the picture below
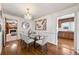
(36, 28)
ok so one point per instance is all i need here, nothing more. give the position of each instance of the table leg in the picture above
(34, 44)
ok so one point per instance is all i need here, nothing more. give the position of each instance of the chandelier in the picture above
(28, 15)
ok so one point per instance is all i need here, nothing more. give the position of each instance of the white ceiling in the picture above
(36, 9)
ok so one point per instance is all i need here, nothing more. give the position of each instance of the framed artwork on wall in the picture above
(41, 24)
(25, 25)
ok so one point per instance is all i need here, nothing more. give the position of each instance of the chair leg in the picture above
(30, 48)
(23, 45)
(44, 49)
(27, 47)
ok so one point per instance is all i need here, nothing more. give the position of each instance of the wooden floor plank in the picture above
(17, 48)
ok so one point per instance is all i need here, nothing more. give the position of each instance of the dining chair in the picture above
(42, 41)
(27, 40)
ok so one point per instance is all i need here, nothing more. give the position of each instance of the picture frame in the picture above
(25, 25)
(41, 24)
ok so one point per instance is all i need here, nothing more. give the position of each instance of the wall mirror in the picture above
(25, 25)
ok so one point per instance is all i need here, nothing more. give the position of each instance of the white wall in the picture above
(77, 31)
(0, 36)
(0, 31)
(19, 25)
(19, 20)
(52, 25)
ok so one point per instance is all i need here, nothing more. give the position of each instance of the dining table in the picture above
(35, 37)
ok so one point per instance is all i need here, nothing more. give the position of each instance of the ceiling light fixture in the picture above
(28, 16)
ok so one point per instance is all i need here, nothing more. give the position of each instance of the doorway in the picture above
(10, 30)
(66, 30)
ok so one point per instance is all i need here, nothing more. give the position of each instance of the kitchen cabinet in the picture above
(66, 34)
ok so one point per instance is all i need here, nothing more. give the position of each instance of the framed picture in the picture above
(41, 24)
(25, 25)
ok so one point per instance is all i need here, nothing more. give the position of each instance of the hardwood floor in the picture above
(16, 48)
(67, 43)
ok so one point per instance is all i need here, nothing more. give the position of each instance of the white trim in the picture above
(52, 42)
(66, 16)
(72, 15)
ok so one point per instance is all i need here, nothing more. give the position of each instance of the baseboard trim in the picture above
(52, 43)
